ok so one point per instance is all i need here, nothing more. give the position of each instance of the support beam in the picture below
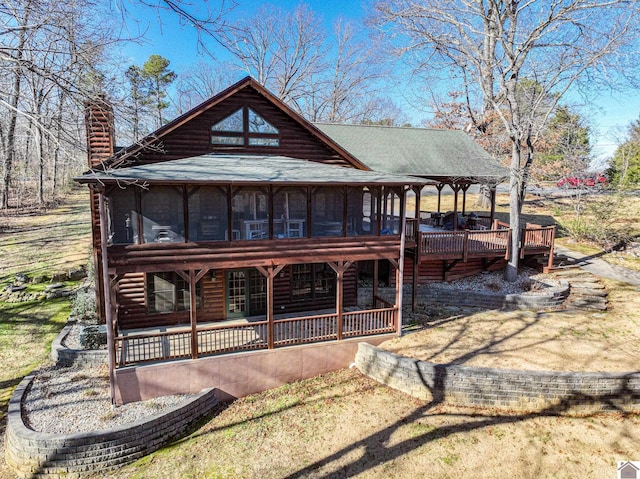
(456, 188)
(492, 214)
(464, 187)
(339, 269)
(193, 312)
(270, 273)
(439, 186)
(376, 279)
(107, 296)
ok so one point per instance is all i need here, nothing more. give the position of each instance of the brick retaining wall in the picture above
(36, 454)
(502, 388)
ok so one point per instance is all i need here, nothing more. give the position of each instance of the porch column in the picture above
(376, 274)
(465, 187)
(492, 214)
(193, 318)
(439, 186)
(418, 191)
(456, 188)
(270, 273)
(192, 277)
(339, 268)
(106, 286)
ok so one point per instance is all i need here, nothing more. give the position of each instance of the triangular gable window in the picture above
(231, 124)
(244, 127)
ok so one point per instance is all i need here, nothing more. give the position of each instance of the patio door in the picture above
(246, 293)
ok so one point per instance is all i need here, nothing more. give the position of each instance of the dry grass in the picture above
(569, 340)
(42, 243)
(345, 425)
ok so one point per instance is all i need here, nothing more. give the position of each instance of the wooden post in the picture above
(418, 191)
(456, 189)
(376, 274)
(107, 297)
(465, 187)
(339, 268)
(492, 214)
(270, 273)
(192, 314)
(439, 186)
(553, 239)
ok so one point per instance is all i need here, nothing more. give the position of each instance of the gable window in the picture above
(244, 127)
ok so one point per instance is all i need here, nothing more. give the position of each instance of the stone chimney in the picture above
(100, 130)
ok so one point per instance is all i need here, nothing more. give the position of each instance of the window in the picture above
(244, 127)
(168, 292)
(312, 281)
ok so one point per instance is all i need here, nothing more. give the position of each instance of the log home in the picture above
(237, 228)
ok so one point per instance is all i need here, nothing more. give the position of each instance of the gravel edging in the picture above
(38, 454)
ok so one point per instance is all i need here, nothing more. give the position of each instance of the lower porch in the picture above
(138, 346)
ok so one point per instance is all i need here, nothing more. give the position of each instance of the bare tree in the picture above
(282, 50)
(46, 51)
(490, 46)
(198, 83)
(347, 90)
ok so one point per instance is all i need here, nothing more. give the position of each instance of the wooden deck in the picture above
(136, 347)
(466, 244)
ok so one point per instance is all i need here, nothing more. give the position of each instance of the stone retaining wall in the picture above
(553, 296)
(36, 454)
(502, 388)
(63, 356)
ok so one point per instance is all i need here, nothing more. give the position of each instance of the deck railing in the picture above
(495, 242)
(140, 347)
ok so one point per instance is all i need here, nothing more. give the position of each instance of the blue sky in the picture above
(609, 116)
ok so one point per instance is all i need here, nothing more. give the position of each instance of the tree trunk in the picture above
(515, 207)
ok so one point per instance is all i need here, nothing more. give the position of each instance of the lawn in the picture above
(38, 244)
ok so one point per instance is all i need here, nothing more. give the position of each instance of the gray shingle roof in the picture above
(246, 169)
(417, 151)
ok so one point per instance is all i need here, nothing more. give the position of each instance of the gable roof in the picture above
(125, 154)
(429, 153)
(246, 170)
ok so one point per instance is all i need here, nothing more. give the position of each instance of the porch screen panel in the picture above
(163, 215)
(289, 213)
(250, 208)
(327, 210)
(391, 221)
(208, 219)
(361, 218)
(123, 217)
